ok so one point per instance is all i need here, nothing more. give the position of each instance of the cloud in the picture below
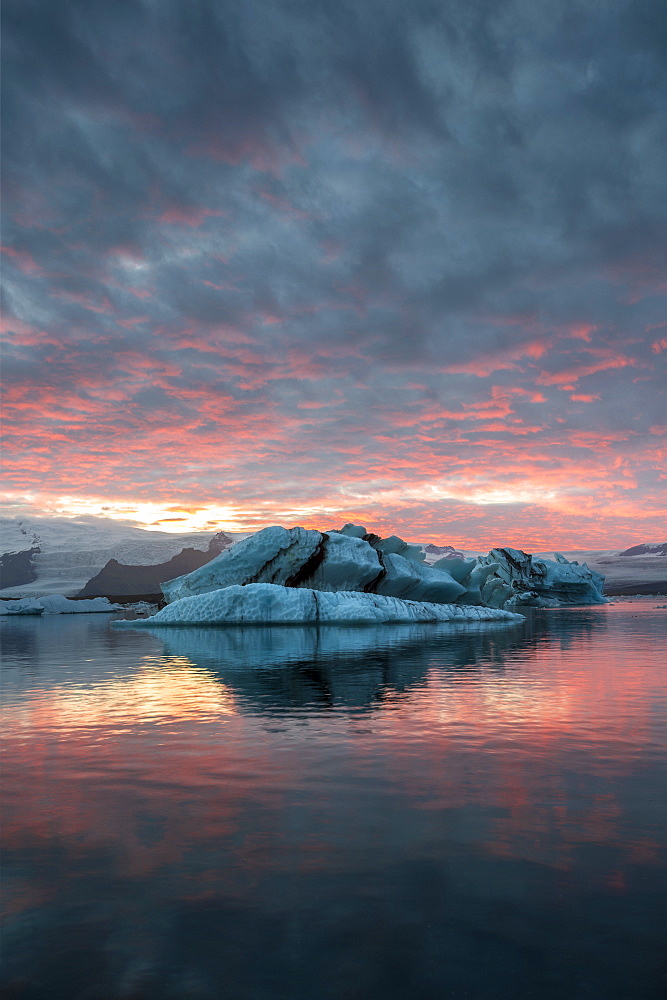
(275, 252)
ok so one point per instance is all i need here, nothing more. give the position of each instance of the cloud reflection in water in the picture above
(268, 807)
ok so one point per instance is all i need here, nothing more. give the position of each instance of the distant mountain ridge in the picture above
(659, 549)
(17, 568)
(125, 581)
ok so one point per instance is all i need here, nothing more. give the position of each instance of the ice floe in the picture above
(271, 604)
(56, 604)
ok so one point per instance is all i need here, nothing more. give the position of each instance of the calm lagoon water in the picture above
(439, 811)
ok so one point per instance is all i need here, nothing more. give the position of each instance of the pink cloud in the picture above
(507, 359)
(581, 331)
(251, 148)
(569, 376)
(187, 216)
(23, 260)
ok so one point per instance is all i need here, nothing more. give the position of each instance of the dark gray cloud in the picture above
(327, 218)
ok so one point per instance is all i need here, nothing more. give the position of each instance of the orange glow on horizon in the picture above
(532, 520)
(224, 429)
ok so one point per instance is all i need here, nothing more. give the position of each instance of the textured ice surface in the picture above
(414, 581)
(333, 561)
(393, 545)
(265, 603)
(26, 606)
(352, 559)
(291, 557)
(523, 579)
(458, 567)
(347, 564)
(56, 604)
(273, 555)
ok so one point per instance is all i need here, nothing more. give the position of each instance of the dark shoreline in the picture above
(657, 587)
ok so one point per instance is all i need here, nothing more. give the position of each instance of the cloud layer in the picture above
(399, 262)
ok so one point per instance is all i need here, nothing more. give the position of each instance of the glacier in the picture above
(60, 555)
(352, 559)
(274, 604)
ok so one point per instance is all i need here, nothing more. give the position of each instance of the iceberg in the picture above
(285, 556)
(414, 581)
(26, 606)
(519, 579)
(56, 604)
(352, 559)
(272, 604)
(349, 559)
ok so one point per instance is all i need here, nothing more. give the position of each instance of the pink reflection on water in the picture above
(528, 755)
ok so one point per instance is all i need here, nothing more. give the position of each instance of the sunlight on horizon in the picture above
(180, 518)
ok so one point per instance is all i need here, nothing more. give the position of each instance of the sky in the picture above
(403, 264)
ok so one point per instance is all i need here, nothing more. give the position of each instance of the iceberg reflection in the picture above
(272, 669)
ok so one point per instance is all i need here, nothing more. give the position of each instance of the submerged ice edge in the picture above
(271, 604)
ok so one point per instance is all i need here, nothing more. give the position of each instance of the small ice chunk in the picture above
(56, 604)
(24, 606)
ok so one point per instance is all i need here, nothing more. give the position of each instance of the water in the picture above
(401, 812)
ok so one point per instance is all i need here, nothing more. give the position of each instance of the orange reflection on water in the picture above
(525, 753)
(78, 769)
(163, 688)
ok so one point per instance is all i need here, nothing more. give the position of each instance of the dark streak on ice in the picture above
(308, 569)
(261, 575)
(370, 587)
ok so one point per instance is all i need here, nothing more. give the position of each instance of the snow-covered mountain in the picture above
(650, 549)
(61, 555)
